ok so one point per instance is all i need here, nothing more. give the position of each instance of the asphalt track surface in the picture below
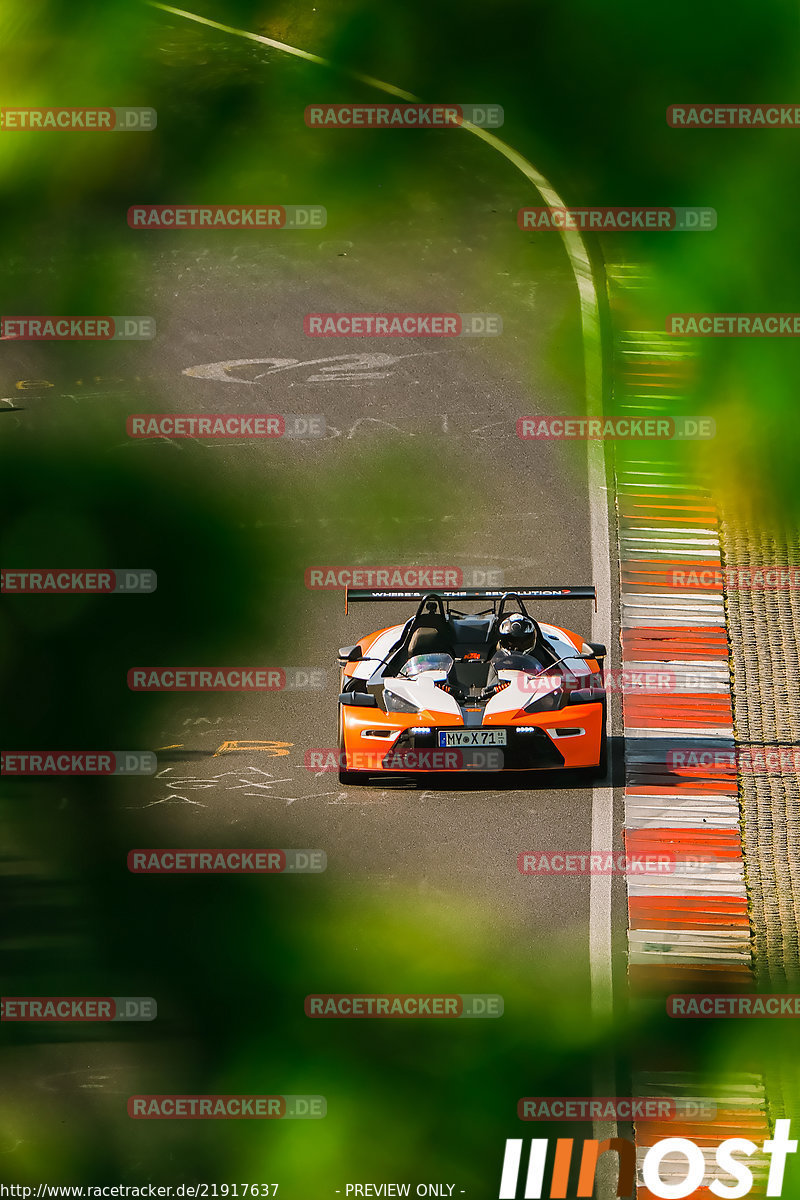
(434, 406)
(451, 402)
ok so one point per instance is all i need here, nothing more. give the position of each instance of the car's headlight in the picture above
(394, 703)
(552, 700)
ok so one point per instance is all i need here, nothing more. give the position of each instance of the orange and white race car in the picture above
(451, 691)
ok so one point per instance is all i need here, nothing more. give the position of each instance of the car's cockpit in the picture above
(461, 651)
(472, 656)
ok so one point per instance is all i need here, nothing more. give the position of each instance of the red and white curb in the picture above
(694, 918)
(739, 1102)
(689, 929)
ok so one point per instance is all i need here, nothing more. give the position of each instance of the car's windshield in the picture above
(438, 663)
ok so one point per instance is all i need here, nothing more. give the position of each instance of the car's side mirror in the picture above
(358, 699)
(350, 654)
(590, 695)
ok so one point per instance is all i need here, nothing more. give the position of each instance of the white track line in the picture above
(602, 793)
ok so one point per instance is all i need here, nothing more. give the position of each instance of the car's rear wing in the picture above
(359, 595)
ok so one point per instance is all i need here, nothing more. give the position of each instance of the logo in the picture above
(78, 1008)
(402, 116)
(618, 220)
(77, 329)
(733, 116)
(694, 1168)
(77, 762)
(227, 216)
(734, 324)
(402, 325)
(594, 862)
(559, 428)
(227, 862)
(388, 1005)
(53, 581)
(226, 1108)
(226, 679)
(225, 425)
(107, 120)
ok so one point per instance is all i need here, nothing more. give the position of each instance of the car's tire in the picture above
(345, 776)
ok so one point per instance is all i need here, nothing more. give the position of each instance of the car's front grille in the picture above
(522, 751)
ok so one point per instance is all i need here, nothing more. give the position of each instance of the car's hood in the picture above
(424, 693)
(522, 688)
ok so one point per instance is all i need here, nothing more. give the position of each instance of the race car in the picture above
(454, 691)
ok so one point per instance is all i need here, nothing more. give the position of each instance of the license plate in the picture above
(472, 737)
